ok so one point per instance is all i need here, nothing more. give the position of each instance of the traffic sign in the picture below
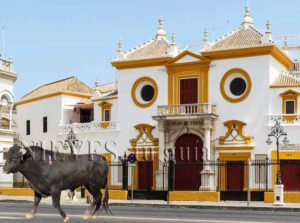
(131, 158)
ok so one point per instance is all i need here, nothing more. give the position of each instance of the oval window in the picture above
(147, 92)
(237, 86)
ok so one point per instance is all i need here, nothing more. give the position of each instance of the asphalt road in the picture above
(14, 213)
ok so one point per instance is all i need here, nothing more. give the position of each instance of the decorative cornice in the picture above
(250, 52)
(66, 93)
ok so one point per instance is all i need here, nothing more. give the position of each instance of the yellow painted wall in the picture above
(194, 196)
(289, 197)
(16, 191)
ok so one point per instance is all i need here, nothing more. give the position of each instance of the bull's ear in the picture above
(23, 151)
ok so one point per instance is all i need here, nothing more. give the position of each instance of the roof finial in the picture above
(161, 32)
(205, 35)
(173, 39)
(120, 52)
(268, 25)
(173, 49)
(97, 83)
(267, 39)
(248, 21)
(206, 44)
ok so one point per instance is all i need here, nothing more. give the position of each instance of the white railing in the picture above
(285, 119)
(5, 65)
(88, 127)
(186, 109)
(295, 69)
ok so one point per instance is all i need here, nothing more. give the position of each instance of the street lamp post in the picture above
(277, 131)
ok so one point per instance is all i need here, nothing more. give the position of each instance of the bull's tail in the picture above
(105, 200)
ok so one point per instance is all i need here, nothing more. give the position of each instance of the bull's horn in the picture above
(23, 151)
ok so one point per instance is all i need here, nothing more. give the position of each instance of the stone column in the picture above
(161, 174)
(207, 174)
(10, 116)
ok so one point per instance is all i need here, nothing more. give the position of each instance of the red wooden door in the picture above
(235, 175)
(188, 155)
(145, 175)
(189, 91)
(290, 174)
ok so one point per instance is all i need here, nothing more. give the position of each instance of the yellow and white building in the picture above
(220, 100)
(7, 131)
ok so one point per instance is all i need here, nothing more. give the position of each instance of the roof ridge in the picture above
(140, 46)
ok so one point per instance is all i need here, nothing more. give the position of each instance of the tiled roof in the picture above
(71, 84)
(241, 38)
(286, 79)
(154, 48)
(104, 88)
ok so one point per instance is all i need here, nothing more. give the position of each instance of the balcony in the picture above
(88, 127)
(284, 119)
(189, 111)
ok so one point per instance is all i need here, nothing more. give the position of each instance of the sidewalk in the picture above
(230, 205)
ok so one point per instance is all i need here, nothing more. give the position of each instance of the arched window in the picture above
(4, 100)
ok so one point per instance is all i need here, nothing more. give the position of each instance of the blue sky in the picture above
(54, 39)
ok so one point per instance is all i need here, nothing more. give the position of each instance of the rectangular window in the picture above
(290, 107)
(106, 115)
(189, 91)
(260, 164)
(27, 127)
(45, 124)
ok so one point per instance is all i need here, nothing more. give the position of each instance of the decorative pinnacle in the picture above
(173, 39)
(161, 31)
(205, 39)
(120, 46)
(268, 25)
(248, 21)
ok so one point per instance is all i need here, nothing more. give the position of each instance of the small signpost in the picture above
(132, 160)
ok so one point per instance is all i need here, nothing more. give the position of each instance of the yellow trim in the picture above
(248, 82)
(16, 191)
(133, 92)
(105, 106)
(289, 95)
(117, 194)
(272, 50)
(198, 69)
(233, 157)
(144, 128)
(235, 147)
(237, 126)
(194, 196)
(183, 54)
(127, 64)
(288, 197)
(286, 86)
(67, 93)
(108, 157)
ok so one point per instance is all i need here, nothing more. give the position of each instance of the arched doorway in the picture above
(189, 162)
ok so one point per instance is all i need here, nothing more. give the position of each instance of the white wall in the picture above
(130, 114)
(255, 108)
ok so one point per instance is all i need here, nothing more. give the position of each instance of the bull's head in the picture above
(14, 158)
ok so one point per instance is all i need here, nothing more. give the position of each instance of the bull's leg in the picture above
(98, 198)
(93, 191)
(37, 199)
(56, 204)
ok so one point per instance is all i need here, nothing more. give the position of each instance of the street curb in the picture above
(286, 209)
(187, 206)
